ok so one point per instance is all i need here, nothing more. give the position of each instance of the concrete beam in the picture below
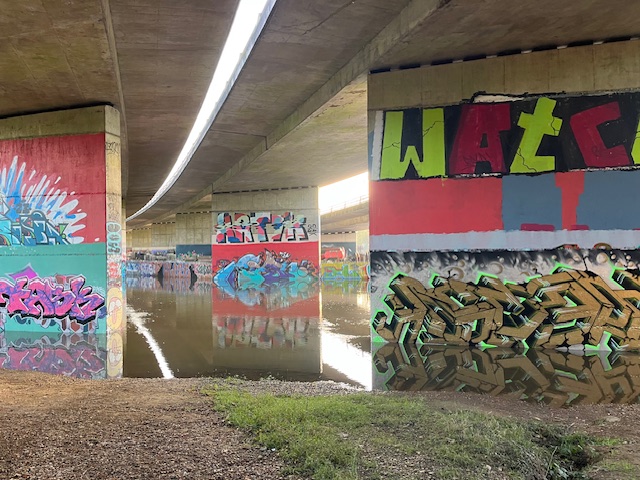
(410, 18)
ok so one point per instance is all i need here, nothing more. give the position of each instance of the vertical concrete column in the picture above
(508, 219)
(61, 236)
(163, 236)
(193, 234)
(265, 263)
(140, 239)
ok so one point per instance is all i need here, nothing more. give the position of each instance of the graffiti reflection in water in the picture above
(550, 377)
(74, 355)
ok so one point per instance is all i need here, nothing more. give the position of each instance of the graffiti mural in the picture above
(335, 271)
(46, 197)
(34, 211)
(269, 267)
(142, 269)
(474, 199)
(525, 136)
(550, 377)
(63, 301)
(580, 299)
(264, 227)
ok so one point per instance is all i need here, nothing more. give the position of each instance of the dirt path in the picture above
(60, 428)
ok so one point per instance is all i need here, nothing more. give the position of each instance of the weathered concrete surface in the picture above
(295, 102)
(304, 44)
(348, 220)
(167, 52)
(420, 32)
(54, 54)
(463, 28)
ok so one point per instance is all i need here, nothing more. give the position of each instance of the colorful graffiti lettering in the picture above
(266, 268)
(551, 377)
(143, 269)
(525, 136)
(114, 238)
(263, 227)
(566, 308)
(45, 298)
(35, 211)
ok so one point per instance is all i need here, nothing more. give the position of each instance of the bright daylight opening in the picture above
(345, 193)
(248, 23)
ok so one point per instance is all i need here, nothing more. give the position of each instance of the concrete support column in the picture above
(265, 262)
(163, 236)
(508, 219)
(139, 239)
(61, 247)
(193, 234)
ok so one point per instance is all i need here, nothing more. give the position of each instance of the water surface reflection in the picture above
(281, 331)
(308, 332)
(547, 376)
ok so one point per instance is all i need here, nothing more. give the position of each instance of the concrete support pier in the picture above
(61, 239)
(503, 201)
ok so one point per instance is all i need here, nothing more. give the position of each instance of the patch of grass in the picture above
(401, 436)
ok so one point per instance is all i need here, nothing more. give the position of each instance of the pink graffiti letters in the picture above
(37, 298)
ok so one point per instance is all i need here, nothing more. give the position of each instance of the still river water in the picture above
(322, 333)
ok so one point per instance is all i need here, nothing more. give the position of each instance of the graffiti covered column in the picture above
(508, 219)
(265, 238)
(60, 242)
(265, 260)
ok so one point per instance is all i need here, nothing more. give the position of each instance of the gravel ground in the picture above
(61, 428)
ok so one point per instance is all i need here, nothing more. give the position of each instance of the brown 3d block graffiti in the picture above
(563, 309)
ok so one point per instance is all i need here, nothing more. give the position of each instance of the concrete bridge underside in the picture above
(297, 115)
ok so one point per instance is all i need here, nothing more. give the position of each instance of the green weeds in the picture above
(401, 436)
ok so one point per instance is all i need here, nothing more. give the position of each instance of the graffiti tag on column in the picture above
(566, 308)
(38, 298)
(262, 227)
(34, 211)
(114, 238)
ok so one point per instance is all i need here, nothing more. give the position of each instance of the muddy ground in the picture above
(60, 428)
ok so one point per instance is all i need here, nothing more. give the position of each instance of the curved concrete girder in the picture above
(345, 87)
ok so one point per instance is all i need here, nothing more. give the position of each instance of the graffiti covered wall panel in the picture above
(259, 249)
(52, 190)
(53, 250)
(265, 227)
(245, 266)
(525, 136)
(507, 223)
(561, 298)
(58, 292)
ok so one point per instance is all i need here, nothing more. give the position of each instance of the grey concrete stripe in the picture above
(500, 240)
